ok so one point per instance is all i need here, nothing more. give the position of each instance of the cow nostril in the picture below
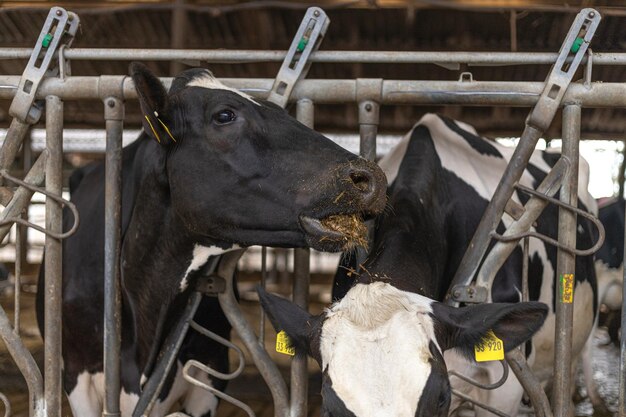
(361, 181)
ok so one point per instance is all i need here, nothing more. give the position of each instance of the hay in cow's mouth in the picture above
(350, 227)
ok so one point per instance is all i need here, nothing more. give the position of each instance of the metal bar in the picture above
(509, 93)
(22, 196)
(369, 112)
(534, 389)
(525, 293)
(114, 117)
(267, 368)
(26, 364)
(532, 210)
(53, 269)
(371, 57)
(12, 142)
(305, 113)
(167, 358)
(562, 400)
(263, 285)
(17, 309)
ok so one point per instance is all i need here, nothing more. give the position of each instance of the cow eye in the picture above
(223, 117)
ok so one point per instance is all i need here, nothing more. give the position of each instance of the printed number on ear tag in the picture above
(491, 348)
(283, 344)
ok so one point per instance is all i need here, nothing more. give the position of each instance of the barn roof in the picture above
(382, 25)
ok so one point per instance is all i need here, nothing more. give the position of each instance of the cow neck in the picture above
(411, 240)
(156, 254)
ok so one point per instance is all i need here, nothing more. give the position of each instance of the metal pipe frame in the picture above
(562, 401)
(114, 119)
(267, 368)
(367, 57)
(391, 92)
(305, 113)
(532, 210)
(53, 265)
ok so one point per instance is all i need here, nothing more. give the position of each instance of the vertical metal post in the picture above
(369, 116)
(52, 307)
(178, 30)
(622, 362)
(305, 113)
(562, 400)
(369, 112)
(114, 117)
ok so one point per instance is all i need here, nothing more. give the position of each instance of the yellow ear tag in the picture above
(491, 348)
(283, 344)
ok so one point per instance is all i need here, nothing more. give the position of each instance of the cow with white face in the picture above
(441, 177)
(381, 348)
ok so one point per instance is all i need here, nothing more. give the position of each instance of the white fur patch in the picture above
(375, 347)
(198, 402)
(210, 82)
(200, 257)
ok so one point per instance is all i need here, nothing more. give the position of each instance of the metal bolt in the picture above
(59, 12)
(456, 293)
(368, 107)
(470, 291)
(592, 14)
(111, 103)
(316, 13)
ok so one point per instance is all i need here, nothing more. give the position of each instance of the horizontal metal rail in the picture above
(368, 57)
(490, 93)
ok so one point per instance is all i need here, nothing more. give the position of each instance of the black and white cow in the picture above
(215, 170)
(381, 345)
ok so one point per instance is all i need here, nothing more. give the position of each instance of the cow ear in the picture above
(463, 328)
(300, 326)
(153, 99)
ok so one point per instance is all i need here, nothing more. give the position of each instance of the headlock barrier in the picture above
(47, 82)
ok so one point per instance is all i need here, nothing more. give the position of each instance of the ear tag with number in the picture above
(283, 344)
(491, 348)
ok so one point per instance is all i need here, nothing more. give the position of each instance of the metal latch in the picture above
(296, 64)
(469, 294)
(59, 29)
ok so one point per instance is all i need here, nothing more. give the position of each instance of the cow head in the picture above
(242, 171)
(381, 349)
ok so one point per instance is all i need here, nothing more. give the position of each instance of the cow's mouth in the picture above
(337, 232)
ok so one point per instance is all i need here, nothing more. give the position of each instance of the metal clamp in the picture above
(576, 43)
(497, 384)
(296, 63)
(212, 372)
(549, 240)
(211, 284)
(469, 294)
(59, 200)
(59, 29)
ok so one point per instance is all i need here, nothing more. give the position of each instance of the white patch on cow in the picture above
(209, 81)
(198, 401)
(482, 172)
(85, 401)
(609, 284)
(142, 380)
(199, 257)
(388, 329)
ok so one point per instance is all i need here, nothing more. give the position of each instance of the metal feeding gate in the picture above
(47, 77)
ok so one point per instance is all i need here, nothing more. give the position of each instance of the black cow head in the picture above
(242, 171)
(381, 349)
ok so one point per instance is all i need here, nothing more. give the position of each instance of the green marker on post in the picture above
(576, 45)
(46, 40)
(302, 44)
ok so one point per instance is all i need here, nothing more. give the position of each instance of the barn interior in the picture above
(528, 26)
